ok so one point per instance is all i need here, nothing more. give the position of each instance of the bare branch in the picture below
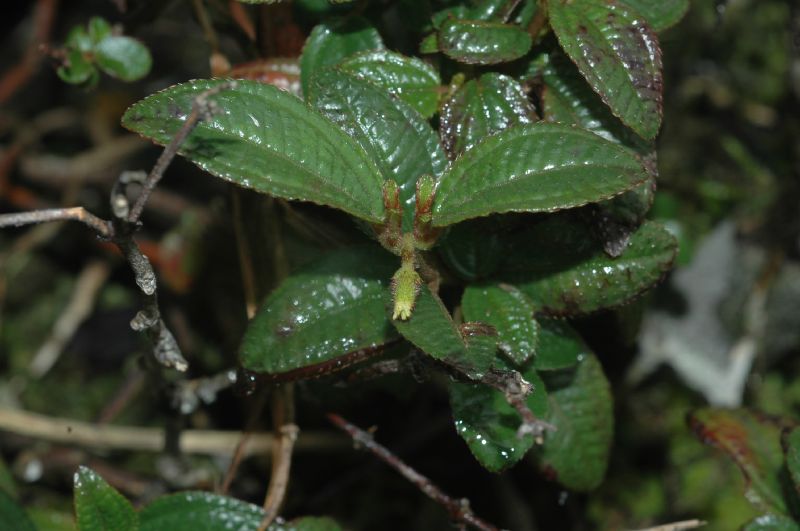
(286, 430)
(516, 389)
(459, 509)
(101, 226)
(677, 526)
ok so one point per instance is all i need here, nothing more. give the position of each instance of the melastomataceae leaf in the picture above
(324, 316)
(482, 42)
(398, 139)
(540, 167)
(268, 140)
(617, 53)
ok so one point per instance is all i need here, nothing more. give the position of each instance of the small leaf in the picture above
(753, 442)
(510, 312)
(771, 522)
(99, 507)
(400, 141)
(333, 41)
(267, 140)
(581, 409)
(410, 79)
(482, 107)
(540, 167)
(201, 511)
(123, 57)
(619, 56)
(661, 14)
(792, 448)
(488, 424)
(76, 68)
(79, 39)
(490, 10)
(565, 272)
(311, 523)
(331, 309)
(99, 29)
(12, 516)
(560, 346)
(431, 329)
(481, 42)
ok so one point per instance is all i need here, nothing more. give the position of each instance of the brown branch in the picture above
(677, 526)
(101, 226)
(287, 431)
(516, 389)
(238, 454)
(133, 438)
(202, 109)
(459, 510)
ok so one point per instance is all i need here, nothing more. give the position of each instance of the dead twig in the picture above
(286, 430)
(107, 437)
(91, 280)
(459, 510)
(19, 219)
(677, 526)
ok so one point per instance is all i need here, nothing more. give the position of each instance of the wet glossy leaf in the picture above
(618, 54)
(771, 522)
(76, 69)
(753, 442)
(331, 42)
(488, 424)
(410, 79)
(660, 14)
(431, 329)
(397, 138)
(99, 507)
(564, 270)
(510, 312)
(560, 346)
(540, 167)
(792, 449)
(567, 98)
(580, 406)
(482, 107)
(200, 511)
(267, 140)
(490, 10)
(12, 516)
(123, 57)
(472, 249)
(481, 42)
(330, 309)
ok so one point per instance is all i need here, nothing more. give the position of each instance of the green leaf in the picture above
(123, 57)
(481, 42)
(771, 522)
(753, 441)
(472, 249)
(488, 424)
(312, 523)
(431, 329)
(510, 312)
(560, 346)
(619, 56)
(482, 107)
(490, 10)
(396, 137)
(661, 14)
(567, 98)
(331, 309)
(99, 29)
(201, 511)
(333, 41)
(79, 39)
(563, 269)
(540, 167)
(267, 140)
(792, 449)
(410, 79)
(581, 409)
(12, 517)
(99, 507)
(76, 69)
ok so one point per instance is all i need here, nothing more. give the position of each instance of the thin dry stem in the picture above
(459, 510)
(19, 219)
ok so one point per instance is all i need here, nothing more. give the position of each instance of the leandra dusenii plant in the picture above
(529, 198)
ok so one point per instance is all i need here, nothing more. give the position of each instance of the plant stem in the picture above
(459, 509)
